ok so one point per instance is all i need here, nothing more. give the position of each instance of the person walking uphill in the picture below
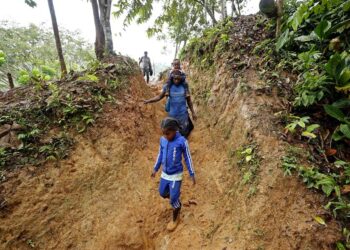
(172, 147)
(177, 100)
(146, 66)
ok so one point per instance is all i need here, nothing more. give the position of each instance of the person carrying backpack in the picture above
(173, 147)
(146, 66)
(178, 99)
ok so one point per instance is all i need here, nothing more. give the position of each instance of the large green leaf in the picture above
(342, 103)
(312, 127)
(300, 15)
(322, 29)
(346, 5)
(332, 65)
(344, 76)
(337, 135)
(282, 40)
(343, 88)
(340, 27)
(345, 129)
(308, 38)
(334, 112)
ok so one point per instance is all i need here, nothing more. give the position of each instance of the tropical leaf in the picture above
(345, 129)
(309, 135)
(332, 65)
(342, 103)
(282, 40)
(344, 76)
(322, 29)
(308, 38)
(340, 27)
(334, 112)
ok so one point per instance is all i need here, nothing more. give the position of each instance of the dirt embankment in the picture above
(102, 196)
(260, 207)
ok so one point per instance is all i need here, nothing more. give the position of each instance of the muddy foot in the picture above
(172, 225)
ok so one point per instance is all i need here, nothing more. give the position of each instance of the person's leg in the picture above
(164, 190)
(147, 76)
(184, 125)
(190, 126)
(175, 190)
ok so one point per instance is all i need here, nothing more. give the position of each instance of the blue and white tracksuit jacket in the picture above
(170, 157)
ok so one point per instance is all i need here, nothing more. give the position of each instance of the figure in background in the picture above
(146, 66)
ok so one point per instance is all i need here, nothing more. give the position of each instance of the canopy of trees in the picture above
(36, 49)
(180, 20)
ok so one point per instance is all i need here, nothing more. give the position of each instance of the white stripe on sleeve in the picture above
(189, 156)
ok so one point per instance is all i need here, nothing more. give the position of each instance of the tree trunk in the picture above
(9, 77)
(223, 9)
(100, 35)
(279, 17)
(105, 16)
(177, 46)
(238, 8)
(57, 38)
(208, 10)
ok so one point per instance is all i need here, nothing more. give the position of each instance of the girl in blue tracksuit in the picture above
(172, 147)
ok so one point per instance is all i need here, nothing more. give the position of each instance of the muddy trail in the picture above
(102, 196)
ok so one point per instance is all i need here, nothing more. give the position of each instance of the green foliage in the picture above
(213, 42)
(36, 75)
(283, 40)
(89, 78)
(300, 124)
(34, 57)
(50, 111)
(343, 131)
(2, 57)
(317, 32)
(311, 88)
(31, 3)
(249, 163)
(331, 183)
(338, 68)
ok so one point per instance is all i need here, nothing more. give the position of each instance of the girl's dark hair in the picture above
(176, 61)
(170, 123)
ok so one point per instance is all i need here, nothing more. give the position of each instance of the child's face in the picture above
(169, 134)
(177, 65)
(177, 80)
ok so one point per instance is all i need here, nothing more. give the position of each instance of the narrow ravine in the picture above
(102, 197)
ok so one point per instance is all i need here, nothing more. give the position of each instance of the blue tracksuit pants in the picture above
(171, 189)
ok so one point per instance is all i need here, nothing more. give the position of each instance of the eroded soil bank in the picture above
(102, 197)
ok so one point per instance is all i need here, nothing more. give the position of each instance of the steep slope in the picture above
(102, 196)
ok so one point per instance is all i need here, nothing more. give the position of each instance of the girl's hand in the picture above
(193, 180)
(146, 101)
(153, 174)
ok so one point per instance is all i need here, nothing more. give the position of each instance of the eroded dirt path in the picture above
(102, 197)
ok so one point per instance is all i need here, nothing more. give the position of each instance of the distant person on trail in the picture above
(146, 66)
(172, 147)
(177, 100)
